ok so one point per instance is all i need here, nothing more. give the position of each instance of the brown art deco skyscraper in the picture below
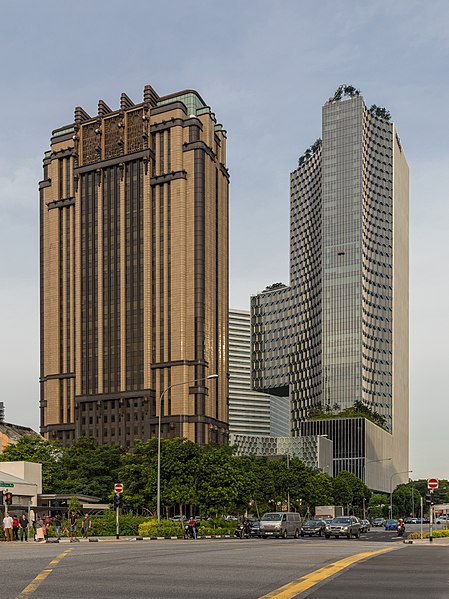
(134, 273)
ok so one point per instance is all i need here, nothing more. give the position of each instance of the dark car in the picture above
(313, 527)
(254, 528)
(343, 526)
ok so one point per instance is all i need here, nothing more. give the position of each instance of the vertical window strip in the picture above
(61, 178)
(67, 177)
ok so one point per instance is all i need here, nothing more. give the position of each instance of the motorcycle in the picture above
(188, 532)
(242, 531)
(401, 530)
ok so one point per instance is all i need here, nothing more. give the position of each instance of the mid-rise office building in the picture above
(339, 333)
(134, 273)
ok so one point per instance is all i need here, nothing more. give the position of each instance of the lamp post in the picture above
(391, 488)
(211, 376)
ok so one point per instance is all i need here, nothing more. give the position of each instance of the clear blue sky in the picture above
(265, 68)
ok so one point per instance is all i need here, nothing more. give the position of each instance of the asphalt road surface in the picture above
(225, 568)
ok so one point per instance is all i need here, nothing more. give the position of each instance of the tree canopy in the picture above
(209, 479)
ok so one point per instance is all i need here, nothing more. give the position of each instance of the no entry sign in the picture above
(118, 487)
(432, 483)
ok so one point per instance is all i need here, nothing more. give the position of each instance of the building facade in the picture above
(339, 333)
(315, 451)
(134, 273)
(249, 411)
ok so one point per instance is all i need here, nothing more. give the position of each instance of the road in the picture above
(224, 569)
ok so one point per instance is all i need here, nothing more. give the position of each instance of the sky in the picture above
(266, 68)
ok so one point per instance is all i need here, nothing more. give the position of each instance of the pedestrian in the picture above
(23, 528)
(7, 527)
(73, 524)
(45, 527)
(58, 523)
(15, 528)
(33, 523)
(86, 525)
(39, 529)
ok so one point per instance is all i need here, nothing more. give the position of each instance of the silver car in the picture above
(344, 526)
(280, 524)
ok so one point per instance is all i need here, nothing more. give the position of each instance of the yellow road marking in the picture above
(295, 588)
(42, 575)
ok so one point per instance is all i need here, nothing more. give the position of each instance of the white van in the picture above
(280, 524)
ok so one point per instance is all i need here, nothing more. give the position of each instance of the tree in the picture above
(32, 448)
(179, 468)
(89, 468)
(378, 505)
(321, 490)
(138, 473)
(349, 489)
(218, 480)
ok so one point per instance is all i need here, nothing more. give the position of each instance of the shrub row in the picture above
(167, 528)
(436, 534)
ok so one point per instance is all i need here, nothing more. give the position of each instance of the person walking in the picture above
(7, 527)
(23, 528)
(86, 525)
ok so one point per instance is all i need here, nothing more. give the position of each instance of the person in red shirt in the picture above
(15, 528)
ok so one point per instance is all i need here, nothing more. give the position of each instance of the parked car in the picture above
(365, 525)
(280, 524)
(313, 527)
(379, 522)
(391, 525)
(343, 526)
(441, 520)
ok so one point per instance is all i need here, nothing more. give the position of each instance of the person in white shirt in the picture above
(7, 526)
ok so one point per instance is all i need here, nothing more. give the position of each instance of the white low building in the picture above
(26, 478)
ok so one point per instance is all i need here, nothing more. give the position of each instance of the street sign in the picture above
(432, 483)
(118, 487)
(3, 484)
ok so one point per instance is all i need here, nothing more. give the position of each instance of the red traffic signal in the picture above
(8, 498)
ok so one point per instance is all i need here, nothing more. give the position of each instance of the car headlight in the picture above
(345, 527)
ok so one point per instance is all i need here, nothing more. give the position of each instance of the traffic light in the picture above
(118, 501)
(1, 498)
(8, 498)
(429, 498)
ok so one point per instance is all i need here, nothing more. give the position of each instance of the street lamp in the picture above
(391, 489)
(211, 376)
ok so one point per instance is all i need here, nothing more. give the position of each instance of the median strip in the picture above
(34, 584)
(295, 588)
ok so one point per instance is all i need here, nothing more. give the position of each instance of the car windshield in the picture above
(342, 521)
(313, 523)
(271, 517)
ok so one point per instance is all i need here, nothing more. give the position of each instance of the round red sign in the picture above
(432, 483)
(118, 487)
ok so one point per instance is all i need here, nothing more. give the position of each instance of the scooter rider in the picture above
(401, 527)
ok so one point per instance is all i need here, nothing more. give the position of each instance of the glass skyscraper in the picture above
(339, 333)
